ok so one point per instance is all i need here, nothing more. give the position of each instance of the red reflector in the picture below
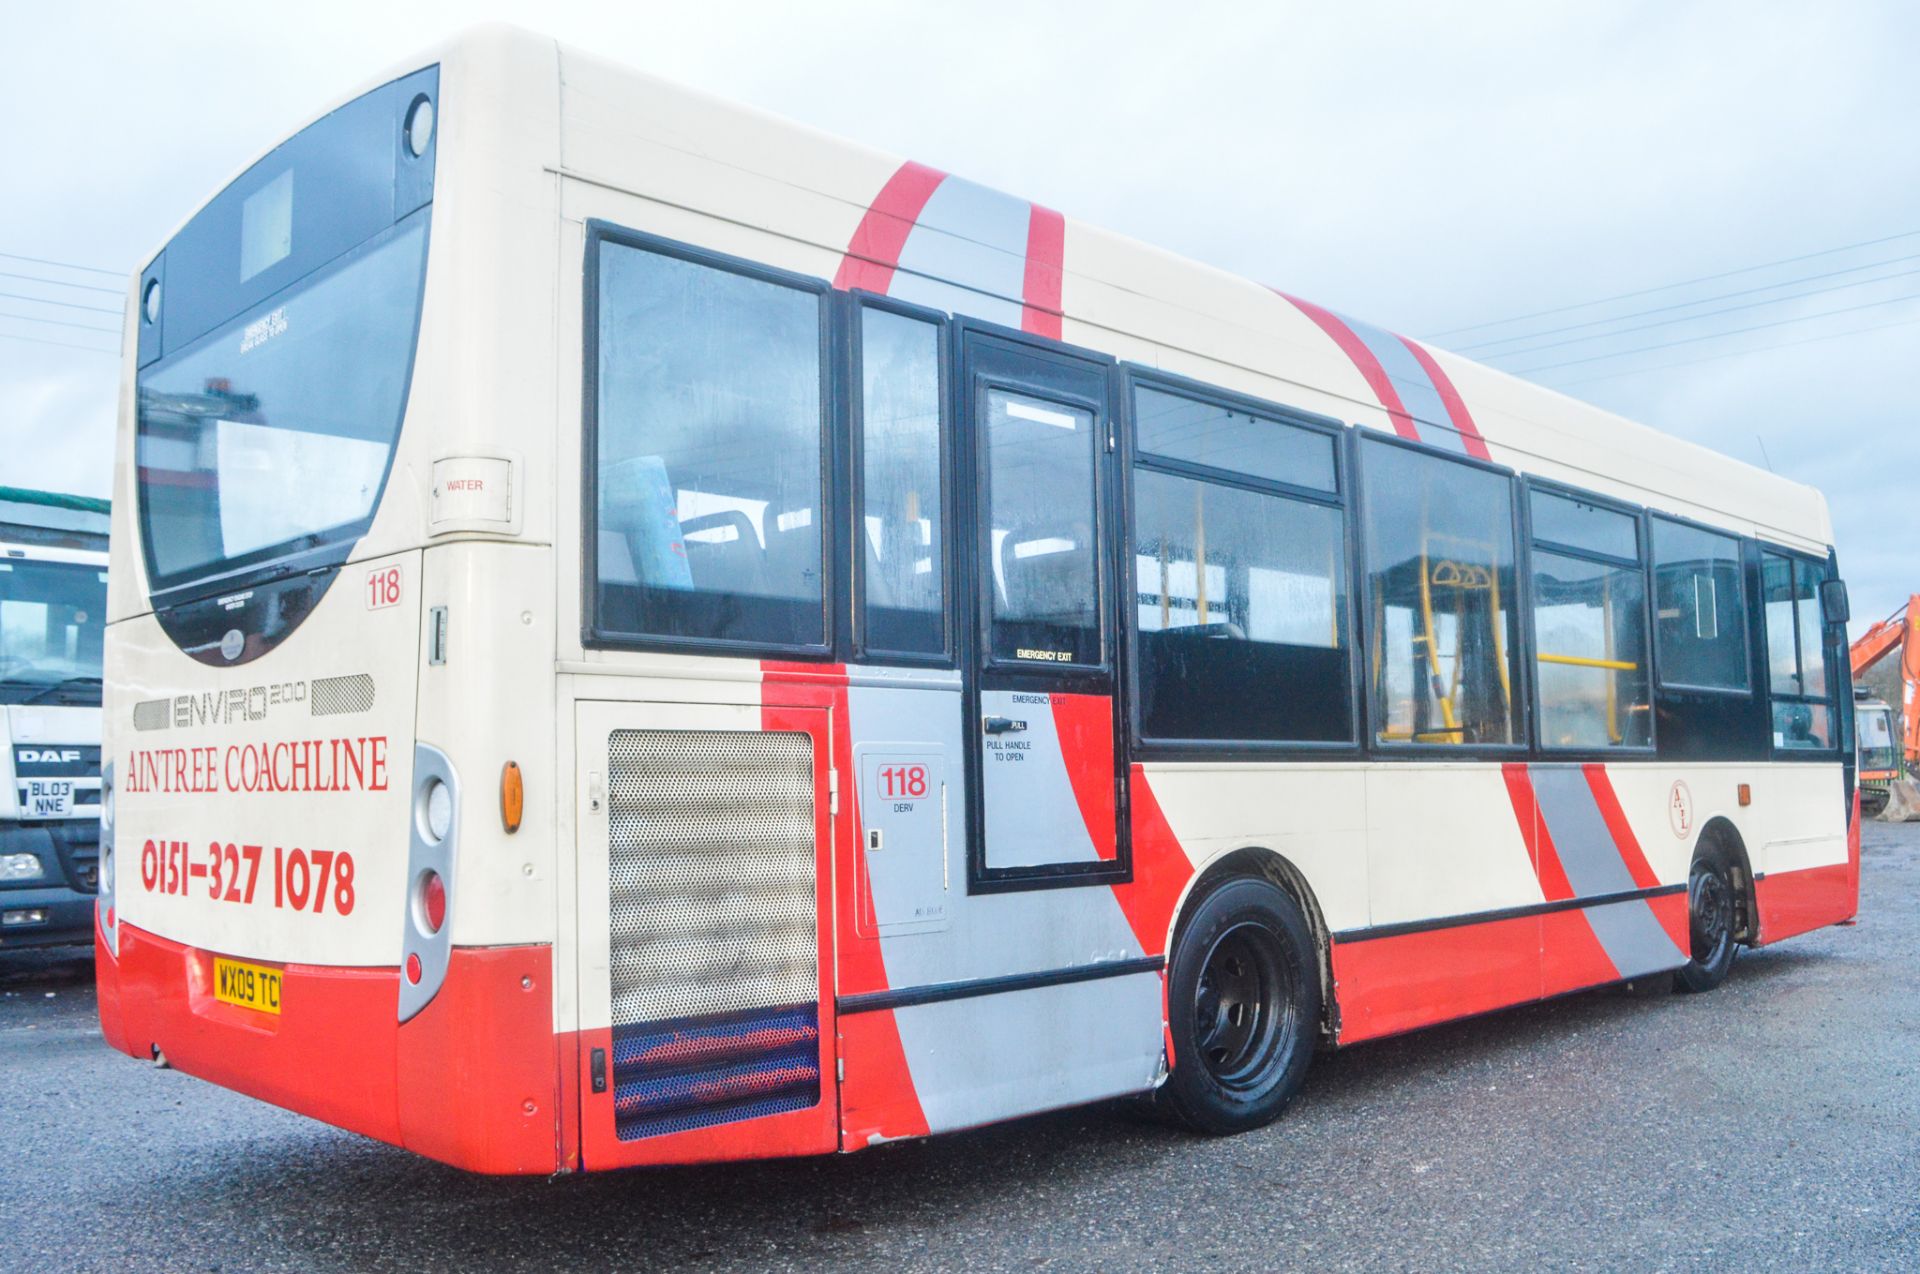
(433, 901)
(413, 969)
(109, 917)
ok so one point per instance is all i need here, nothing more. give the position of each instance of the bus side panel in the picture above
(1792, 902)
(992, 1052)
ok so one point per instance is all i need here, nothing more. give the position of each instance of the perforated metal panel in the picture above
(711, 872)
(331, 695)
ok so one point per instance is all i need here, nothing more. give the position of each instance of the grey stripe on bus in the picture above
(1629, 932)
(1633, 938)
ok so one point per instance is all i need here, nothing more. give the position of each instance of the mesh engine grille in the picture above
(711, 873)
(331, 695)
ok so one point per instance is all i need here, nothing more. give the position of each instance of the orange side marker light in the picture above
(1746, 794)
(513, 796)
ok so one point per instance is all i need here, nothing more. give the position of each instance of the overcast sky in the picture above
(1406, 163)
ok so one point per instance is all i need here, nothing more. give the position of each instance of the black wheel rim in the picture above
(1243, 1006)
(1710, 912)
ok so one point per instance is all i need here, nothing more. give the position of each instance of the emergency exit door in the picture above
(1038, 433)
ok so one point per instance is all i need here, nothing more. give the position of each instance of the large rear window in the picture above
(276, 342)
(272, 435)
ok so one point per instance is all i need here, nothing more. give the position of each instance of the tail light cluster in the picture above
(433, 838)
(103, 901)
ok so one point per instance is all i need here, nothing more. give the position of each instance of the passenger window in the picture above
(1796, 654)
(1040, 512)
(1440, 594)
(1240, 592)
(1589, 626)
(900, 526)
(708, 464)
(1700, 601)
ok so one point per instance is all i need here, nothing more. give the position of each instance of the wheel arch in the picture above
(1259, 862)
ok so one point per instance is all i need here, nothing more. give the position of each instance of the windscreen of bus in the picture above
(271, 435)
(52, 621)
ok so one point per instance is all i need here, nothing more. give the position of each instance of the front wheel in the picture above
(1243, 999)
(1711, 909)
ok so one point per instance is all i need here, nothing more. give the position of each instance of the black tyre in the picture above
(1243, 1002)
(1713, 907)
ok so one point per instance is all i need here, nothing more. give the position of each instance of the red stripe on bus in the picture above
(1084, 726)
(1161, 870)
(1533, 830)
(1046, 256)
(877, 1098)
(1369, 367)
(1456, 406)
(1617, 826)
(873, 254)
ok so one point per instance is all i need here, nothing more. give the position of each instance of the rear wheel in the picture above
(1712, 910)
(1244, 1007)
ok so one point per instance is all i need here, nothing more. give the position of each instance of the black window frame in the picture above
(1377, 748)
(1831, 700)
(1131, 459)
(593, 635)
(1643, 539)
(1752, 629)
(853, 486)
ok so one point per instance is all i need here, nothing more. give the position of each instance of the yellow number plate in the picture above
(251, 986)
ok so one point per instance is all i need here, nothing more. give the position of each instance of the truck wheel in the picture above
(1244, 1008)
(1711, 907)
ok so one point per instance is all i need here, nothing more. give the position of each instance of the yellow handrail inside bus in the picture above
(1583, 661)
(1433, 645)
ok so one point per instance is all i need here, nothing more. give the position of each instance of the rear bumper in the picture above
(472, 1080)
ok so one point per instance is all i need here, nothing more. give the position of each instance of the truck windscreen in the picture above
(52, 620)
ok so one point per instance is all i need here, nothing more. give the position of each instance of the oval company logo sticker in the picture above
(1680, 809)
(232, 644)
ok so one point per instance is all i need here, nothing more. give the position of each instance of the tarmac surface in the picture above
(1771, 1124)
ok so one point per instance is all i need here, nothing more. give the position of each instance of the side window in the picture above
(707, 479)
(1796, 654)
(1442, 630)
(900, 502)
(1240, 586)
(1589, 626)
(1700, 608)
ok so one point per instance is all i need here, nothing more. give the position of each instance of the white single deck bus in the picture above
(641, 633)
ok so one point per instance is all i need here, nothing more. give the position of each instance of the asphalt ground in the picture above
(1771, 1124)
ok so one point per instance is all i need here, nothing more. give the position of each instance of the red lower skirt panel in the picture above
(1792, 902)
(1388, 985)
(470, 1080)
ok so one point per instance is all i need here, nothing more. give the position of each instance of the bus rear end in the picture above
(282, 909)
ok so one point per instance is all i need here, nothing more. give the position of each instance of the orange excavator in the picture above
(1884, 743)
